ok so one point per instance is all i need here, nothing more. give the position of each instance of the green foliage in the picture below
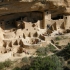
(43, 63)
(65, 52)
(57, 38)
(25, 60)
(42, 51)
(68, 66)
(57, 43)
(7, 63)
(46, 63)
(1, 66)
(16, 68)
(51, 48)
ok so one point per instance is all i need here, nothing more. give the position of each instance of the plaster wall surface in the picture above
(67, 22)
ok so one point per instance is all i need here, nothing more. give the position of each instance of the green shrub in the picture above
(57, 38)
(7, 63)
(42, 51)
(1, 66)
(25, 60)
(65, 52)
(31, 69)
(51, 48)
(16, 68)
(57, 43)
(45, 50)
(43, 63)
(46, 63)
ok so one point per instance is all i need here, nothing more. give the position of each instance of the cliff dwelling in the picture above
(31, 27)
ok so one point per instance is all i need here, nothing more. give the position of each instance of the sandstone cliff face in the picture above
(16, 6)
